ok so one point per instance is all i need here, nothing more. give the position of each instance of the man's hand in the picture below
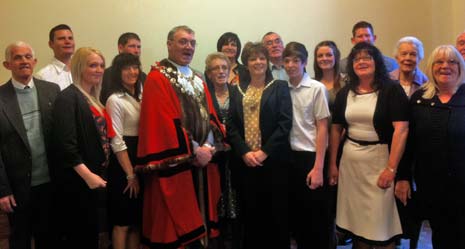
(7, 203)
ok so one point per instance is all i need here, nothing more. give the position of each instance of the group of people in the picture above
(237, 156)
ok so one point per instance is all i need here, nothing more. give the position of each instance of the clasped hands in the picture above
(254, 158)
(203, 155)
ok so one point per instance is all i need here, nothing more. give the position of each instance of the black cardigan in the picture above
(392, 105)
(76, 139)
(435, 151)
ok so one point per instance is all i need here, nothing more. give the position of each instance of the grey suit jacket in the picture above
(15, 153)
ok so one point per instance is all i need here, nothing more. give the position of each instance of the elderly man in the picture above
(275, 46)
(364, 32)
(61, 41)
(460, 44)
(127, 43)
(25, 125)
(179, 133)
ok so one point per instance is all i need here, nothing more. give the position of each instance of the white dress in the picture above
(363, 208)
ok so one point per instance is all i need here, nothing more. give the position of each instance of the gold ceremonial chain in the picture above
(243, 94)
(197, 93)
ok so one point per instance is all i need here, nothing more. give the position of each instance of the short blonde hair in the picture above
(214, 56)
(451, 53)
(79, 63)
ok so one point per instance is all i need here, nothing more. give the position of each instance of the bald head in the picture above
(460, 44)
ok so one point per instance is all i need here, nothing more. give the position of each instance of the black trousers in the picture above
(265, 206)
(83, 215)
(34, 219)
(310, 210)
(447, 220)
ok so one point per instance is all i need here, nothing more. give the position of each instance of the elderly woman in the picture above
(82, 133)
(374, 112)
(123, 106)
(230, 45)
(217, 67)
(409, 53)
(436, 149)
(259, 121)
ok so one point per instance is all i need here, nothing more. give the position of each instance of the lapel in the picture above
(45, 103)
(266, 94)
(240, 107)
(13, 113)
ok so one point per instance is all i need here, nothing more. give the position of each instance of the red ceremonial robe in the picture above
(171, 214)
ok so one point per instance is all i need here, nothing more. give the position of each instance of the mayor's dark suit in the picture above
(264, 188)
(16, 165)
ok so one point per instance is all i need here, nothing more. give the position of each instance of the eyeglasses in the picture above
(441, 62)
(219, 67)
(364, 58)
(183, 42)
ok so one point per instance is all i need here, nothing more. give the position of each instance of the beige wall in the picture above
(99, 23)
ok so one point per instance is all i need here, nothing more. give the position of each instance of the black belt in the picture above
(365, 143)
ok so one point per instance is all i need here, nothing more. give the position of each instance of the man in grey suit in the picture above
(25, 176)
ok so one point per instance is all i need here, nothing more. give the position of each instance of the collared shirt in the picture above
(418, 79)
(20, 85)
(124, 111)
(279, 73)
(56, 72)
(309, 104)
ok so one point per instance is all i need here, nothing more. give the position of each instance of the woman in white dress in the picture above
(373, 110)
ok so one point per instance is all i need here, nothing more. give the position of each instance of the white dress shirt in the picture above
(309, 104)
(56, 72)
(124, 111)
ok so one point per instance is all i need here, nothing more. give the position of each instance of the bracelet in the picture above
(130, 177)
(391, 169)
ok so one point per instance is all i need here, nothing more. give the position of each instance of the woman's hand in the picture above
(260, 156)
(250, 160)
(95, 181)
(7, 203)
(386, 178)
(403, 191)
(133, 187)
(315, 178)
(333, 175)
(203, 155)
(92, 180)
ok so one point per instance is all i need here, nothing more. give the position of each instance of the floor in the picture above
(424, 242)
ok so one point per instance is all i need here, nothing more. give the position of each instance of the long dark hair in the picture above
(337, 58)
(119, 63)
(381, 73)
